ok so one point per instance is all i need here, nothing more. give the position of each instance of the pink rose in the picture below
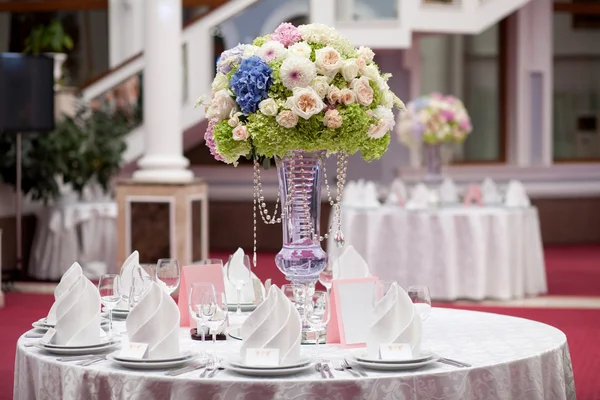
(287, 119)
(240, 132)
(363, 91)
(361, 64)
(334, 95)
(332, 119)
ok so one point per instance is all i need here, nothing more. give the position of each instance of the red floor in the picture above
(573, 270)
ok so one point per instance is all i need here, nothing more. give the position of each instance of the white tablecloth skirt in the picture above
(460, 252)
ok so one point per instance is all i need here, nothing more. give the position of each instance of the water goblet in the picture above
(239, 275)
(318, 313)
(168, 272)
(214, 313)
(326, 276)
(140, 284)
(197, 291)
(108, 287)
(209, 261)
(419, 294)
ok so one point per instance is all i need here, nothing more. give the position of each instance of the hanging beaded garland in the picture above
(259, 200)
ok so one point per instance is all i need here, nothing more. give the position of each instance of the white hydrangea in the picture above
(272, 51)
(297, 71)
(301, 49)
(250, 50)
(323, 34)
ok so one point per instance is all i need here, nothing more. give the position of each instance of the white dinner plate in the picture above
(236, 333)
(144, 364)
(186, 355)
(361, 355)
(394, 367)
(122, 314)
(246, 307)
(103, 342)
(42, 325)
(239, 363)
(78, 350)
(270, 372)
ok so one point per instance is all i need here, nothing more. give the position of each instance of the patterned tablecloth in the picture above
(459, 252)
(511, 358)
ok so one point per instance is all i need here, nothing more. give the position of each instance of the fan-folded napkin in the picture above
(275, 324)
(398, 193)
(155, 321)
(248, 293)
(78, 315)
(126, 275)
(396, 320)
(490, 193)
(350, 265)
(419, 198)
(68, 278)
(516, 195)
(448, 192)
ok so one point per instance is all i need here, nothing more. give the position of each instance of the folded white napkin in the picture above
(155, 321)
(398, 193)
(248, 293)
(448, 192)
(78, 315)
(516, 195)
(396, 320)
(350, 265)
(490, 194)
(68, 278)
(370, 196)
(131, 265)
(275, 324)
(351, 194)
(419, 199)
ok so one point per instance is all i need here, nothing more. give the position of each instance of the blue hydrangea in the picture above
(230, 57)
(251, 83)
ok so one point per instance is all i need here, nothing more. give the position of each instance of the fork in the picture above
(91, 361)
(346, 365)
(210, 368)
(319, 367)
(337, 365)
(185, 370)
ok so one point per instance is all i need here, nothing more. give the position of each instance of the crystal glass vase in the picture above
(433, 163)
(300, 179)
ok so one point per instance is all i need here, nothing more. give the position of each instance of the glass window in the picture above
(470, 68)
(576, 97)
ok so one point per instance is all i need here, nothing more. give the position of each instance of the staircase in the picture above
(381, 30)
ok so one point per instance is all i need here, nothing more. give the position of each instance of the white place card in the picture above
(262, 357)
(395, 351)
(134, 350)
(48, 335)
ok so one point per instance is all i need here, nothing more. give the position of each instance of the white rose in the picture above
(240, 132)
(220, 106)
(347, 96)
(349, 69)
(220, 82)
(384, 125)
(301, 49)
(366, 53)
(250, 50)
(268, 107)
(272, 51)
(320, 85)
(328, 61)
(361, 64)
(305, 103)
(234, 119)
(363, 91)
(372, 72)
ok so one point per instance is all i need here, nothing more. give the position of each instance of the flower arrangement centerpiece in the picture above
(297, 95)
(431, 121)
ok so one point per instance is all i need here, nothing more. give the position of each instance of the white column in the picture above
(163, 78)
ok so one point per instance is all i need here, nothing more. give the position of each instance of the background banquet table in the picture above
(466, 252)
(511, 358)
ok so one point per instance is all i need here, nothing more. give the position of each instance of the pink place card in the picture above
(190, 274)
(473, 195)
(351, 307)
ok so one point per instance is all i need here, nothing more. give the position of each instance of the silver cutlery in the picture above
(337, 365)
(208, 370)
(319, 367)
(328, 370)
(34, 335)
(346, 365)
(454, 362)
(76, 358)
(185, 370)
(91, 361)
(214, 371)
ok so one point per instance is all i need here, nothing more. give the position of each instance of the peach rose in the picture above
(287, 119)
(328, 61)
(347, 96)
(363, 91)
(332, 119)
(240, 132)
(361, 64)
(305, 102)
(334, 95)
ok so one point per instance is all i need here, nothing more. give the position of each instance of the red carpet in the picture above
(573, 270)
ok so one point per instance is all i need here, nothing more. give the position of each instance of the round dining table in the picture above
(510, 358)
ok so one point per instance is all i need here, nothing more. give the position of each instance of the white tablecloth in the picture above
(83, 232)
(459, 252)
(511, 358)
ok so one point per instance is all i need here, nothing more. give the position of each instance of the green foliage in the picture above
(230, 149)
(51, 38)
(83, 148)
(259, 41)
(277, 91)
(339, 81)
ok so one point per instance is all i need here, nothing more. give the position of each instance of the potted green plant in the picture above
(52, 40)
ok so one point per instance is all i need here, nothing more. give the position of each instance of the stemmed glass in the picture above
(210, 261)
(140, 284)
(150, 269)
(109, 295)
(197, 291)
(318, 313)
(297, 294)
(421, 298)
(239, 276)
(168, 272)
(326, 276)
(214, 314)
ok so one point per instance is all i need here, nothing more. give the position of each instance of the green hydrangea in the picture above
(277, 91)
(231, 150)
(259, 41)
(339, 81)
(377, 94)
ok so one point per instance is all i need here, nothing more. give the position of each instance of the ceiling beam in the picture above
(27, 6)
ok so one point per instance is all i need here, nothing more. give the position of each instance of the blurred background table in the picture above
(461, 252)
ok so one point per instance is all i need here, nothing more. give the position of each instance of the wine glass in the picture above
(419, 294)
(297, 294)
(140, 284)
(214, 313)
(108, 286)
(197, 291)
(210, 261)
(168, 272)
(317, 313)
(326, 276)
(239, 276)
(150, 270)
